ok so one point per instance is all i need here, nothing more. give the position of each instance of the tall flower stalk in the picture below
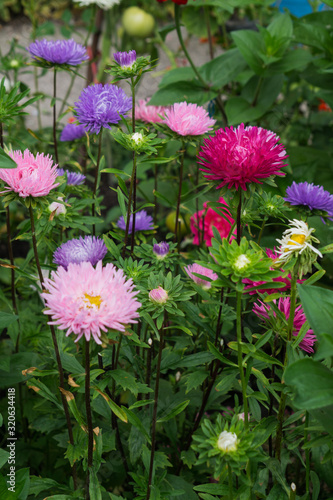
(96, 177)
(88, 414)
(240, 356)
(177, 221)
(55, 116)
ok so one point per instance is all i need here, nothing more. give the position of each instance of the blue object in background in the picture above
(298, 8)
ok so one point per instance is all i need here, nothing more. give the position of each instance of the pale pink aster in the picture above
(262, 310)
(158, 295)
(85, 300)
(237, 157)
(287, 281)
(197, 268)
(188, 119)
(32, 176)
(208, 218)
(149, 114)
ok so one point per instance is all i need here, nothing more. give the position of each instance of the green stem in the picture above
(63, 104)
(153, 432)
(133, 177)
(181, 41)
(231, 497)
(209, 32)
(307, 454)
(89, 417)
(240, 356)
(283, 399)
(55, 116)
(239, 213)
(96, 176)
(94, 45)
(106, 44)
(134, 180)
(262, 230)
(155, 197)
(177, 222)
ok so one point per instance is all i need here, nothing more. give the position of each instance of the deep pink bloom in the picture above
(85, 300)
(147, 113)
(236, 157)
(188, 119)
(208, 218)
(32, 176)
(250, 284)
(299, 320)
(204, 271)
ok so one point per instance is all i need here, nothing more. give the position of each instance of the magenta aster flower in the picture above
(100, 106)
(143, 222)
(188, 119)
(208, 218)
(236, 157)
(125, 59)
(32, 176)
(262, 310)
(308, 195)
(87, 249)
(59, 51)
(73, 178)
(72, 131)
(149, 114)
(196, 268)
(287, 281)
(85, 300)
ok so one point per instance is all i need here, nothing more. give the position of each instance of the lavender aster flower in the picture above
(58, 51)
(100, 106)
(72, 131)
(161, 249)
(73, 178)
(87, 249)
(313, 197)
(143, 222)
(125, 59)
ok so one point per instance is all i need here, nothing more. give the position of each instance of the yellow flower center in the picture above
(299, 238)
(96, 301)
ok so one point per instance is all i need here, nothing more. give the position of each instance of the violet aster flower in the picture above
(58, 51)
(204, 271)
(73, 178)
(143, 222)
(262, 310)
(72, 131)
(313, 197)
(188, 119)
(101, 105)
(87, 249)
(125, 59)
(237, 157)
(161, 249)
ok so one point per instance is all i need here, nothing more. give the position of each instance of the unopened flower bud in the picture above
(241, 262)
(178, 375)
(161, 250)
(227, 441)
(58, 208)
(137, 138)
(158, 295)
(150, 342)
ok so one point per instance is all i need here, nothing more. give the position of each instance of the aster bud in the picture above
(158, 295)
(241, 262)
(57, 208)
(150, 342)
(138, 138)
(227, 441)
(177, 377)
(161, 250)
(221, 343)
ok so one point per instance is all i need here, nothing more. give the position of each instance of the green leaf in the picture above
(135, 420)
(218, 355)
(125, 380)
(94, 486)
(312, 383)
(195, 379)
(175, 411)
(318, 307)
(223, 69)
(4, 455)
(114, 407)
(250, 44)
(7, 319)
(6, 161)
(191, 92)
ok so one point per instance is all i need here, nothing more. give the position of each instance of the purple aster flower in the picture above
(143, 222)
(58, 51)
(161, 249)
(73, 178)
(72, 131)
(101, 105)
(313, 197)
(87, 249)
(125, 59)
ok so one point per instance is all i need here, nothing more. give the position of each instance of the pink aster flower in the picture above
(32, 176)
(262, 310)
(196, 268)
(158, 295)
(206, 219)
(188, 119)
(149, 114)
(287, 281)
(85, 300)
(236, 157)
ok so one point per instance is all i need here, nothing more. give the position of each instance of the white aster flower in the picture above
(227, 441)
(137, 138)
(296, 239)
(241, 262)
(103, 4)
